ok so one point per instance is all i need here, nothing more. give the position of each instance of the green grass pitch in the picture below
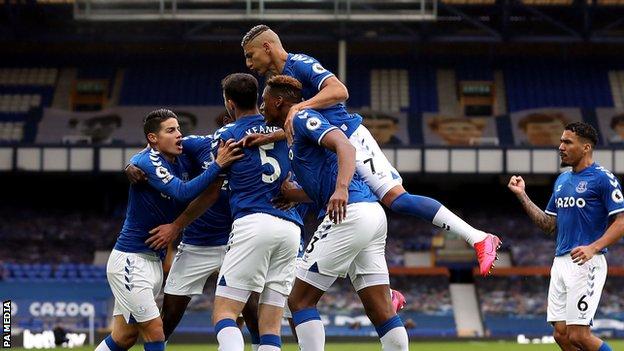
(372, 346)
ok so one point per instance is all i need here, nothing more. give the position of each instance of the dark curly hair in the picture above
(584, 130)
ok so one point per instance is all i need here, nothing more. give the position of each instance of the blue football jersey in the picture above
(256, 178)
(213, 227)
(311, 74)
(583, 203)
(161, 199)
(316, 167)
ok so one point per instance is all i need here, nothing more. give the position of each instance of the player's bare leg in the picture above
(123, 336)
(581, 337)
(152, 330)
(560, 334)
(250, 315)
(399, 200)
(224, 316)
(172, 312)
(306, 319)
(382, 313)
(270, 324)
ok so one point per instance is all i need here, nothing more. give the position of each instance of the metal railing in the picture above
(246, 10)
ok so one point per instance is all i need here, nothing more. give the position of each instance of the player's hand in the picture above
(280, 202)
(288, 184)
(288, 124)
(162, 236)
(229, 152)
(135, 174)
(516, 185)
(256, 139)
(582, 254)
(337, 205)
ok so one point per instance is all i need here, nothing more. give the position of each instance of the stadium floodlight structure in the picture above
(256, 10)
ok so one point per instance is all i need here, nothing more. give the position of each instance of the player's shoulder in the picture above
(301, 58)
(225, 132)
(603, 174)
(307, 113)
(147, 156)
(151, 161)
(563, 175)
(303, 62)
(197, 138)
(309, 118)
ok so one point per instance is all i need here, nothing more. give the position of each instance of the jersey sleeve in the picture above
(612, 194)
(198, 148)
(160, 177)
(308, 69)
(222, 134)
(134, 160)
(311, 125)
(551, 208)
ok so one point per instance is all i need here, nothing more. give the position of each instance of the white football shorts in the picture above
(355, 247)
(135, 279)
(192, 265)
(372, 164)
(574, 291)
(261, 254)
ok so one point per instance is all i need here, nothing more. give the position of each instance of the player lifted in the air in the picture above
(352, 237)
(134, 270)
(586, 213)
(322, 91)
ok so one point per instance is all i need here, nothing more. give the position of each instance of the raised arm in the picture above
(332, 92)
(547, 223)
(160, 178)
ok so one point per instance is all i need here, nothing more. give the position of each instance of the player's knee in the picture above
(561, 337)
(300, 304)
(579, 339)
(380, 315)
(152, 330)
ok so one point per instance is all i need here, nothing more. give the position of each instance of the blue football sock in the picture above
(154, 346)
(604, 347)
(416, 205)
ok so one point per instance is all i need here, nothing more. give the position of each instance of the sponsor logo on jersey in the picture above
(570, 201)
(558, 188)
(581, 187)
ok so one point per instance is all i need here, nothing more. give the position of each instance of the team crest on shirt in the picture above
(313, 123)
(581, 187)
